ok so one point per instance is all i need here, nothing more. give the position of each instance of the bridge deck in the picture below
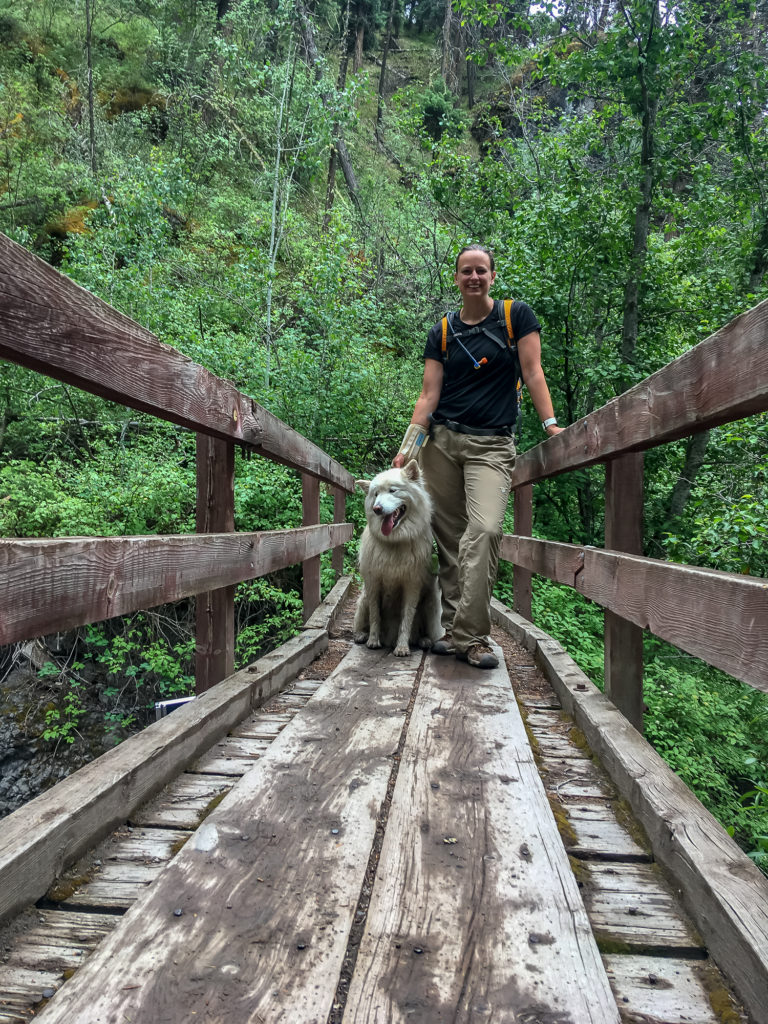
(385, 853)
(474, 912)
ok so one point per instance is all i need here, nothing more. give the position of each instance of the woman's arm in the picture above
(427, 401)
(529, 351)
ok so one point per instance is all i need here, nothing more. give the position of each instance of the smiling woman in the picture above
(469, 402)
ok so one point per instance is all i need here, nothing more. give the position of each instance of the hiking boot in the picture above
(479, 656)
(444, 645)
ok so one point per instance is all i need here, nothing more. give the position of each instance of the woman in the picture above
(468, 402)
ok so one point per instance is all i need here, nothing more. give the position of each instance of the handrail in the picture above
(52, 325)
(54, 585)
(722, 379)
(719, 617)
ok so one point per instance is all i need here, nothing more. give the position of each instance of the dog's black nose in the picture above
(378, 510)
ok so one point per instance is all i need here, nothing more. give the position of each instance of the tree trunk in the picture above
(648, 109)
(89, 66)
(383, 75)
(446, 59)
(759, 260)
(339, 149)
(695, 454)
(357, 61)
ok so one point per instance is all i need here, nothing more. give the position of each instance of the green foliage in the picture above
(267, 617)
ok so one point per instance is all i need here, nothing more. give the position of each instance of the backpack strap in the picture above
(508, 321)
(504, 314)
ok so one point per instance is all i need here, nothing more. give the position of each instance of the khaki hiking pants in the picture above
(468, 480)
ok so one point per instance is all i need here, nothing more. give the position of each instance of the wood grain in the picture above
(722, 379)
(52, 585)
(55, 828)
(723, 891)
(269, 884)
(50, 324)
(717, 616)
(475, 914)
(214, 609)
(624, 532)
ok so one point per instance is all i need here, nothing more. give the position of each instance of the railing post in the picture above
(310, 507)
(339, 516)
(521, 578)
(624, 532)
(215, 609)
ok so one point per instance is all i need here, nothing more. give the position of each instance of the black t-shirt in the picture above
(483, 397)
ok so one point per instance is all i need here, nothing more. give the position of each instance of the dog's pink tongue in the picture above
(388, 524)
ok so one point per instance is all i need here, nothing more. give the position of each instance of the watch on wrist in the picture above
(550, 422)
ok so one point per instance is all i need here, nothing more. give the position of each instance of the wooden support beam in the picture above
(310, 516)
(522, 589)
(624, 532)
(54, 585)
(339, 515)
(717, 616)
(215, 609)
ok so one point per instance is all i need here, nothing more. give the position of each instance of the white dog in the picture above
(400, 601)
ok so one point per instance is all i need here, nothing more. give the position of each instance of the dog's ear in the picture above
(412, 470)
(363, 485)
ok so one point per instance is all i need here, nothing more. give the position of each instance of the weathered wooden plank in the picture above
(259, 727)
(475, 913)
(719, 380)
(339, 515)
(148, 845)
(268, 887)
(574, 777)
(183, 803)
(724, 893)
(624, 532)
(598, 833)
(69, 927)
(717, 616)
(21, 987)
(54, 829)
(111, 895)
(310, 515)
(214, 609)
(234, 756)
(630, 904)
(51, 585)
(50, 324)
(657, 990)
(328, 611)
(521, 577)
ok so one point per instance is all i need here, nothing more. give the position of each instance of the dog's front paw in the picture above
(425, 643)
(360, 638)
(401, 651)
(373, 643)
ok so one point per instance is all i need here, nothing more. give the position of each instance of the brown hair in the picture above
(475, 248)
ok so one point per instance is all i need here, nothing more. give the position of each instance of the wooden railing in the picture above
(50, 324)
(719, 617)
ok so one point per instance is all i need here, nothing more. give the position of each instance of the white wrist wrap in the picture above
(414, 440)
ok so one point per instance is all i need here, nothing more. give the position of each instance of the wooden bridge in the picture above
(336, 834)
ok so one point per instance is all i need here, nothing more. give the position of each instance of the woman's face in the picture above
(474, 277)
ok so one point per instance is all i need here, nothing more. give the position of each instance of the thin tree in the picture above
(89, 76)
